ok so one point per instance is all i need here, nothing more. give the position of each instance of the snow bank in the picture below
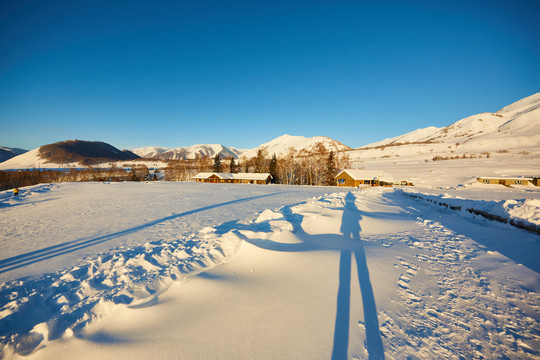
(524, 213)
(56, 305)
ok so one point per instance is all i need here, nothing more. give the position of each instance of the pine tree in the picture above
(217, 163)
(260, 161)
(272, 169)
(330, 169)
(233, 167)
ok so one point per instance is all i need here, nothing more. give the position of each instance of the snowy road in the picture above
(350, 275)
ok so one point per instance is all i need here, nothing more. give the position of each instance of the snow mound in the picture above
(267, 215)
(34, 311)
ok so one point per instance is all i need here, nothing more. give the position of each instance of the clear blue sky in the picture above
(240, 73)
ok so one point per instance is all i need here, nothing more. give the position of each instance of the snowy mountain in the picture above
(189, 152)
(515, 126)
(7, 153)
(281, 145)
(504, 143)
(198, 151)
(149, 152)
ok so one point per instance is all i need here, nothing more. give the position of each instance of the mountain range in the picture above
(190, 152)
(514, 128)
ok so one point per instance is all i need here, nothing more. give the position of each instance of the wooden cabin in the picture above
(233, 178)
(507, 181)
(365, 178)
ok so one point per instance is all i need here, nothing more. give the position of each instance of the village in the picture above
(353, 178)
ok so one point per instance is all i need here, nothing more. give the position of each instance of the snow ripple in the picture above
(60, 304)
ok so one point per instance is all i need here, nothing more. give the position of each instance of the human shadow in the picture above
(71, 246)
(347, 243)
(350, 228)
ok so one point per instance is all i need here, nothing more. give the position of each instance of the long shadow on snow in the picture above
(5, 204)
(519, 245)
(347, 243)
(71, 246)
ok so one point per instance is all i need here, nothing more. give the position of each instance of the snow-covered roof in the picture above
(507, 177)
(233, 176)
(366, 174)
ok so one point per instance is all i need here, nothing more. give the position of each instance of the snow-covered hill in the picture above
(7, 153)
(281, 145)
(29, 160)
(150, 151)
(504, 143)
(513, 124)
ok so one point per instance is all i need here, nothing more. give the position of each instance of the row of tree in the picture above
(21, 178)
(318, 167)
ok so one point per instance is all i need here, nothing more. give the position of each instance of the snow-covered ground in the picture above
(196, 271)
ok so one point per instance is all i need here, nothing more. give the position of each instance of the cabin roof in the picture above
(506, 177)
(366, 174)
(234, 176)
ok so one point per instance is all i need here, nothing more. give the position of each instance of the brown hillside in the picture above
(84, 152)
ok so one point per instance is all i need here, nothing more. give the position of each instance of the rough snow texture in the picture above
(45, 308)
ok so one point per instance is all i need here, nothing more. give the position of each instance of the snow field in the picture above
(354, 274)
(59, 304)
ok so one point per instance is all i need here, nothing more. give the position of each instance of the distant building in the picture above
(507, 181)
(367, 178)
(239, 178)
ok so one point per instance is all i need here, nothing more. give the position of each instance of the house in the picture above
(239, 178)
(506, 181)
(366, 178)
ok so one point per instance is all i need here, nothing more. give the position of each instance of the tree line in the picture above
(20, 178)
(316, 167)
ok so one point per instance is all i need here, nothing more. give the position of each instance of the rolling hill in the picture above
(8, 153)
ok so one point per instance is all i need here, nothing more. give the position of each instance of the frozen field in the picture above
(198, 271)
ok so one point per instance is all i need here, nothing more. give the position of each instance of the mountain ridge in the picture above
(515, 127)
